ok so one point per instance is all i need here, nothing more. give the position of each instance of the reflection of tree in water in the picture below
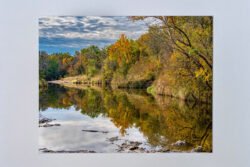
(56, 97)
(162, 120)
(87, 101)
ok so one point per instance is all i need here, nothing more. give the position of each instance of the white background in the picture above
(19, 81)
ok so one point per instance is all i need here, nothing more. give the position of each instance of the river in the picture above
(96, 119)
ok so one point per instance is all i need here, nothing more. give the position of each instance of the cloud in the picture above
(79, 32)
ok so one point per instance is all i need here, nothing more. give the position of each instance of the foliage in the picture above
(176, 54)
(88, 61)
(187, 68)
(53, 66)
(124, 53)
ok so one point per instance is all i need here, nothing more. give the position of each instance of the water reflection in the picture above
(160, 121)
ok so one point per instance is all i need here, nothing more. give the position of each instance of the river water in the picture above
(103, 120)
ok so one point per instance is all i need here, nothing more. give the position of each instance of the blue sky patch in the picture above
(70, 33)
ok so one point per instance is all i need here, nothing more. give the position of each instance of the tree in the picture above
(53, 69)
(124, 52)
(190, 37)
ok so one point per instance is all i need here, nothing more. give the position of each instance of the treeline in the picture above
(173, 58)
(87, 61)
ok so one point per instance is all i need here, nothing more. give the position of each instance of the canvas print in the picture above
(129, 84)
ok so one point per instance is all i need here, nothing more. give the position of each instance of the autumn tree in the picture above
(191, 37)
(124, 52)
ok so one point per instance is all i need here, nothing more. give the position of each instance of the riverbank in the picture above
(79, 79)
(155, 87)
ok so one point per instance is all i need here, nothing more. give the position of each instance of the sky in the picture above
(71, 33)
